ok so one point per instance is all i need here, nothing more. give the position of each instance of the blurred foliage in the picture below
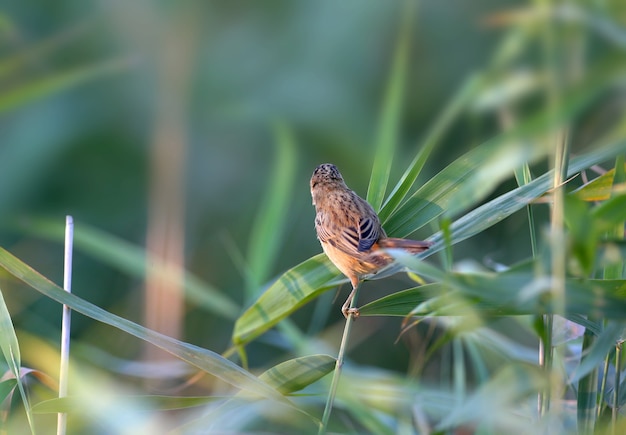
(433, 110)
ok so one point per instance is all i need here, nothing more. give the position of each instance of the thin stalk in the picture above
(587, 393)
(614, 272)
(338, 367)
(618, 365)
(545, 361)
(605, 373)
(523, 177)
(553, 45)
(66, 322)
(459, 374)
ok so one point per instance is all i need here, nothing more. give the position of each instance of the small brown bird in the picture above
(349, 230)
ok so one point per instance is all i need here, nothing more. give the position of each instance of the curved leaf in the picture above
(391, 114)
(295, 374)
(268, 228)
(131, 259)
(292, 290)
(76, 404)
(204, 359)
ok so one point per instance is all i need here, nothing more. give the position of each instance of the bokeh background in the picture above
(164, 124)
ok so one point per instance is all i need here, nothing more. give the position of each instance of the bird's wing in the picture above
(369, 233)
(344, 237)
(351, 239)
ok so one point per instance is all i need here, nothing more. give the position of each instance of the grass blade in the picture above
(11, 351)
(292, 290)
(36, 89)
(131, 259)
(309, 279)
(389, 122)
(269, 226)
(204, 359)
(440, 127)
(470, 178)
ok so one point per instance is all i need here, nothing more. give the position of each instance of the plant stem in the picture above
(66, 322)
(605, 373)
(338, 366)
(618, 364)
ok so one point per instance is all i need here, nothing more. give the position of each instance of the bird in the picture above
(350, 231)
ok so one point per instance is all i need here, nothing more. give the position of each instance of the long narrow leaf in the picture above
(11, 351)
(441, 125)
(268, 229)
(202, 358)
(312, 277)
(287, 377)
(293, 289)
(47, 85)
(387, 139)
(131, 259)
(470, 178)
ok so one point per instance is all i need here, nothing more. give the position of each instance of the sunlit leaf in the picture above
(204, 359)
(401, 303)
(292, 290)
(295, 374)
(75, 404)
(467, 180)
(598, 189)
(312, 277)
(433, 137)
(11, 351)
(8, 340)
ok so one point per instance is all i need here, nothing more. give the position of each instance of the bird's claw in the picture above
(354, 312)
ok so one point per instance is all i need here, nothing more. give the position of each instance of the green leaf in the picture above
(601, 346)
(517, 291)
(583, 234)
(131, 259)
(287, 377)
(295, 374)
(467, 180)
(598, 189)
(76, 404)
(587, 393)
(401, 303)
(204, 359)
(461, 184)
(505, 205)
(611, 212)
(440, 127)
(11, 351)
(13, 65)
(6, 388)
(36, 89)
(391, 115)
(8, 340)
(312, 277)
(269, 225)
(292, 290)
(495, 403)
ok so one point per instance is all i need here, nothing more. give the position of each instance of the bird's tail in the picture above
(412, 246)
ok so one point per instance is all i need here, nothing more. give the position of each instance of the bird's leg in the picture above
(345, 309)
